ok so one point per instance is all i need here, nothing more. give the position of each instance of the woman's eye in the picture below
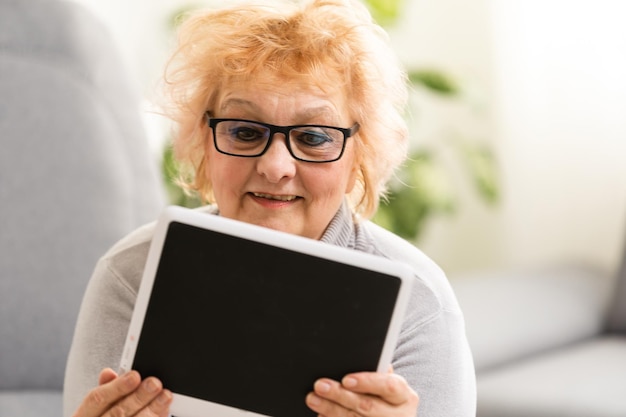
(313, 138)
(246, 134)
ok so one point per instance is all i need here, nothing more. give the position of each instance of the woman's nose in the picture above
(277, 163)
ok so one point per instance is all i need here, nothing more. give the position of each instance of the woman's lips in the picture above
(275, 201)
(284, 198)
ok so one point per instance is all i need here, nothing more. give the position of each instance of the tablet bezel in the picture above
(185, 406)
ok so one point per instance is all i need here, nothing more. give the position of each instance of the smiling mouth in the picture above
(276, 197)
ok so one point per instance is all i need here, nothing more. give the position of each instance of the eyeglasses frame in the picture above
(285, 130)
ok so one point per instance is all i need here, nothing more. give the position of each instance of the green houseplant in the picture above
(422, 188)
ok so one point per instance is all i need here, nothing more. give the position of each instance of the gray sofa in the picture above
(547, 342)
(75, 175)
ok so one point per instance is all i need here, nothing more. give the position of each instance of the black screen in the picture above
(252, 326)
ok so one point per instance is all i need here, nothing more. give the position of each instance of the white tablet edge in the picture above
(188, 406)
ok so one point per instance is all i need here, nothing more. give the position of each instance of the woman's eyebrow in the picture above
(238, 102)
(325, 111)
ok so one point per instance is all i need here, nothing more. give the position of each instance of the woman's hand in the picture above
(367, 394)
(126, 395)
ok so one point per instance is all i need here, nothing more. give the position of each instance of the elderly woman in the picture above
(289, 117)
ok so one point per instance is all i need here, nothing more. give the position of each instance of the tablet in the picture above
(240, 320)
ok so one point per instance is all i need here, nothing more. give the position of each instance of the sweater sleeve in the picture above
(432, 351)
(103, 321)
(434, 357)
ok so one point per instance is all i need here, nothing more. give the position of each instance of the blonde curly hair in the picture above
(326, 43)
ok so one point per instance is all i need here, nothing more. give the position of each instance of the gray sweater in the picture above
(432, 351)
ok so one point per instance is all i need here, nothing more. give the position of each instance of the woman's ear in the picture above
(354, 174)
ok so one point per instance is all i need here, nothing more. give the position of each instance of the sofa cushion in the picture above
(76, 174)
(582, 380)
(31, 403)
(513, 314)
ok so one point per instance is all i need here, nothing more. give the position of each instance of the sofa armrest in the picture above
(513, 314)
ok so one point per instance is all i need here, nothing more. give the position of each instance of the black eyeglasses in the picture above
(309, 143)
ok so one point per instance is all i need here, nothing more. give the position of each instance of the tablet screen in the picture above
(252, 326)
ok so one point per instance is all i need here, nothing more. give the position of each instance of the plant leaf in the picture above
(436, 81)
(171, 174)
(482, 166)
(423, 190)
(385, 12)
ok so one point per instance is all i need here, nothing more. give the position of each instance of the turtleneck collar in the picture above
(341, 231)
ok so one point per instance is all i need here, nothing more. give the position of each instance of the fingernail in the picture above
(322, 386)
(313, 400)
(130, 378)
(349, 382)
(151, 385)
(129, 375)
(164, 397)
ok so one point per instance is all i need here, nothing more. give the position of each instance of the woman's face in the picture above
(275, 190)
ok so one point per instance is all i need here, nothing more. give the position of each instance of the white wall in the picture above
(554, 75)
(560, 98)
(138, 27)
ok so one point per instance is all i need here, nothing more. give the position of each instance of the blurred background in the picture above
(517, 116)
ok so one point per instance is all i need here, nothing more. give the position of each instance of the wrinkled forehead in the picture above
(264, 90)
